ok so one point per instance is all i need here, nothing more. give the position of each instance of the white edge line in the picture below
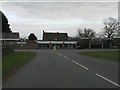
(80, 65)
(107, 80)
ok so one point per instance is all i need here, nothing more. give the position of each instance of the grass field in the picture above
(13, 61)
(108, 55)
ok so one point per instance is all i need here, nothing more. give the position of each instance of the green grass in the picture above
(14, 61)
(108, 55)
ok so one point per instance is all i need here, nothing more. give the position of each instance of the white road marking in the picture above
(92, 72)
(107, 80)
(80, 65)
(60, 54)
(65, 57)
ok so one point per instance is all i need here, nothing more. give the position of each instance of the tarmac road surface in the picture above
(65, 69)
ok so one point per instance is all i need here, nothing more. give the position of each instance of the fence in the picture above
(7, 49)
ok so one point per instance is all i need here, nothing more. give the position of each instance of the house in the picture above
(59, 40)
(10, 38)
(49, 36)
(9, 42)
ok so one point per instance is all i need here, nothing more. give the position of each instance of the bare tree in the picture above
(86, 33)
(111, 27)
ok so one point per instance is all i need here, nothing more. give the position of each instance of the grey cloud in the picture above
(91, 11)
(61, 0)
(56, 11)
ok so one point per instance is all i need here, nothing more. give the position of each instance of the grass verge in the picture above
(108, 55)
(13, 61)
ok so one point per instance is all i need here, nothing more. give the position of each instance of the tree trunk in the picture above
(102, 45)
(89, 45)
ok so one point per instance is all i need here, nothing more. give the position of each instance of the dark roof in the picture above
(49, 36)
(14, 35)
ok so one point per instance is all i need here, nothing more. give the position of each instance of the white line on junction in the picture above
(80, 65)
(107, 80)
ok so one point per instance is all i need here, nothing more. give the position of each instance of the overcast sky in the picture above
(34, 17)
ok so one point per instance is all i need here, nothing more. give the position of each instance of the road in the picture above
(65, 69)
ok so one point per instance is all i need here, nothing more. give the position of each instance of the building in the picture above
(9, 42)
(10, 38)
(49, 36)
(26, 44)
(49, 41)
(58, 40)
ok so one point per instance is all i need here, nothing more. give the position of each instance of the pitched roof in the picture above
(49, 36)
(13, 35)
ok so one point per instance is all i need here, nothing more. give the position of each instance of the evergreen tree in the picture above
(32, 37)
(5, 25)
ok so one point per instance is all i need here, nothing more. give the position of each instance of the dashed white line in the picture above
(60, 54)
(95, 73)
(107, 80)
(80, 65)
(65, 57)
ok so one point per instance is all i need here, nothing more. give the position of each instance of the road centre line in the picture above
(75, 62)
(93, 72)
(60, 54)
(65, 57)
(80, 65)
(107, 80)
